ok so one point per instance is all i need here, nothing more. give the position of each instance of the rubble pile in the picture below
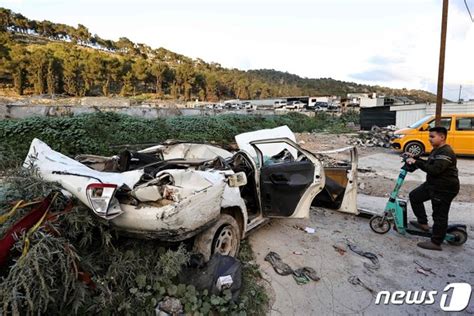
(376, 137)
(329, 161)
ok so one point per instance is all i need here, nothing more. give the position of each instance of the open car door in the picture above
(288, 180)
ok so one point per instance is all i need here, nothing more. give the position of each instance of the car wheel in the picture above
(415, 148)
(222, 237)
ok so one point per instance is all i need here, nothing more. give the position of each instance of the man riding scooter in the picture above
(441, 187)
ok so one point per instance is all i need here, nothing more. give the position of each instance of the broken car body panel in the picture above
(74, 176)
(193, 199)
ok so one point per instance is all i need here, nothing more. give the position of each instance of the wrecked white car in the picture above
(176, 191)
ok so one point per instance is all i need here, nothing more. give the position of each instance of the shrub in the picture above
(95, 133)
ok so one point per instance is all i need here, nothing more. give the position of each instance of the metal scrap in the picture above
(376, 137)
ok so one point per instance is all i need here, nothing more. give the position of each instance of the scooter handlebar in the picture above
(407, 167)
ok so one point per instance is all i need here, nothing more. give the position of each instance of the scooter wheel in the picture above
(460, 237)
(379, 224)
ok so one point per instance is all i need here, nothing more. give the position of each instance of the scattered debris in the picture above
(30, 222)
(421, 271)
(329, 161)
(302, 275)
(339, 249)
(278, 265)
(369, 255)
(310, 230)
(297, 253)
(169, 306)
(354, 280)
(305, 275)
(220, 273)
(365, 170)
(423, 267)
(376, 137)
(224, 282)
(451, 275)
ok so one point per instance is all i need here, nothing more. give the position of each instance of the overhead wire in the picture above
(468, 11)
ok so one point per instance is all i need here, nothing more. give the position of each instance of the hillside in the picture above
(42, 57)
(329, 86)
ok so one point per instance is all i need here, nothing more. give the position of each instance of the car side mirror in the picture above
(237, 180)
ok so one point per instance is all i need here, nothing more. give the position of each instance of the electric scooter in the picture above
(396, 212)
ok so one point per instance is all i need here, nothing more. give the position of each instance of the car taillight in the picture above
(100, 196)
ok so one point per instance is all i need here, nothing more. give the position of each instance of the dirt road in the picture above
(333, 294)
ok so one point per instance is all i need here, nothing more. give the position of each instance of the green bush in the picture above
(95, 133)
(76, 264)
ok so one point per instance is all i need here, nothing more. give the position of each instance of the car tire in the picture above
(415, 148)
(222, 237)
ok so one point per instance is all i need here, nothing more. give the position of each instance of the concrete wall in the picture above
(409, 114)
(19, 111)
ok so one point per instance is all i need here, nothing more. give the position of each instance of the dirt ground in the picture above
(334, 294)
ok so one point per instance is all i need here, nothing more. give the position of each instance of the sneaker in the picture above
(429, 245)
(423, 227)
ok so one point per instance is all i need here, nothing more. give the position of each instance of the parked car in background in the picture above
(333, 107)
(294, 105)
(247, 105)
(414, 138)
(279, 104)
(321, 106)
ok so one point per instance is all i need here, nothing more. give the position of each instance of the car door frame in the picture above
(304, 204)
(349, 202)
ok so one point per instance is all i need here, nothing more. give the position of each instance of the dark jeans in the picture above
(440, 202)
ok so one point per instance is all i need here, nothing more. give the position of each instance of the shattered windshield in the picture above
(420, 122)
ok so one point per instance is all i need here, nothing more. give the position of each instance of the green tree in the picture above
(159, 71)
(17, 66)
(142, 75)
(5, 19)
(124, 45)
(74, 83)
(53, 76)
(128, 79)
(38, 68)
(185, 80)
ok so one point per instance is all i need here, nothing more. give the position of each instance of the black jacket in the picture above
(441, 170)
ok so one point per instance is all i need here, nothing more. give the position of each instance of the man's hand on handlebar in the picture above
(410, 161)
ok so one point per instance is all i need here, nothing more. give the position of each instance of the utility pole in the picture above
(460, 89)
(442, 50)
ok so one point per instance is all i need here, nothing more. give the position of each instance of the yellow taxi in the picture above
(414, 138)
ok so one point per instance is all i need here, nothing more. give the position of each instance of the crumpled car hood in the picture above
(71, 174)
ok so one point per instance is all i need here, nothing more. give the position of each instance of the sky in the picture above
(393, 43)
